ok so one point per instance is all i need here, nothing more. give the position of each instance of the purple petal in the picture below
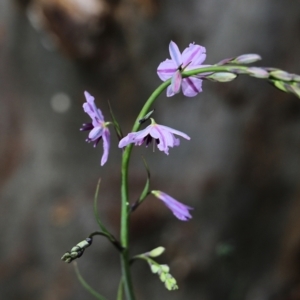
(171, 140)
(175, 54)
(174, 131)
(95, 133)
(91, 109)
(157, 133)
(128, 139)
(191, 86)
(106, 145)
(194, 55)
(134, 137)
(89, 98)
(170, 91)
(99, 115)
(180, 210)
(140, 135)
(166, 69)
(176, 141)
(176, 82)
(168, 139)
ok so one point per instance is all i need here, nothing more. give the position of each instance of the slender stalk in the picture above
(86, 285)
(216, 68)
(125, 209)
(124, 194)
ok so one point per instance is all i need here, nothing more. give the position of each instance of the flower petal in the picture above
(91, 109)
(176, 82)
(106, 146)
(170, 91)
(180, 210)
(169, 140)
(175, 54)
(174, 131)
(191, 86)
(134, 137)
(128, 139)
(89, 98)
(193, 55)
(140, 135)
(95, 133)
(166, 69)
(158, 133)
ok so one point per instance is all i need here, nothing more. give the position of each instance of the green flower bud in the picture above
(154, 268)
(222, 76)
(77, 250)
(156, 252)
(281, 75)
(296, 77)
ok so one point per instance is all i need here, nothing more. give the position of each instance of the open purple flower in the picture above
(191, 58)
(163, 135)
(98, 128)
(180, 211)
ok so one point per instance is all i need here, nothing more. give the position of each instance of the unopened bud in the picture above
(165, 268)
(280, 85)
(295, 89)
(156, 252)
(77, 250)
(247, 58)
(155, 268)
(258, 72)
(225, 61)
(281, 75)
(222, 76)
(296, 77)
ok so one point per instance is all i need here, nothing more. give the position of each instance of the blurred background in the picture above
(240, 171)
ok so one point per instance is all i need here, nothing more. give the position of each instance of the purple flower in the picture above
(98, 126)
(191, 58)
(163, 135)
(180, 211)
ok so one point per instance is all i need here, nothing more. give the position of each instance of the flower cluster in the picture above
(182, 72)
(163, 136)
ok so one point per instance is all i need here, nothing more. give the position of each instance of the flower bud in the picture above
(156, 252)
(281, 75)
(280, 85)
(154, 268)
(296, 77)
(225, 61)
(222, 76)
(247, 58)
(258, 72)
(295, 89)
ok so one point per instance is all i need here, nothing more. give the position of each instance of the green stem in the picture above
(86, 285)
(124, 172)
(225, 68)
(124, 194)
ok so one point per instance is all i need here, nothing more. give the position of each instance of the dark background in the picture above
(240, 171)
